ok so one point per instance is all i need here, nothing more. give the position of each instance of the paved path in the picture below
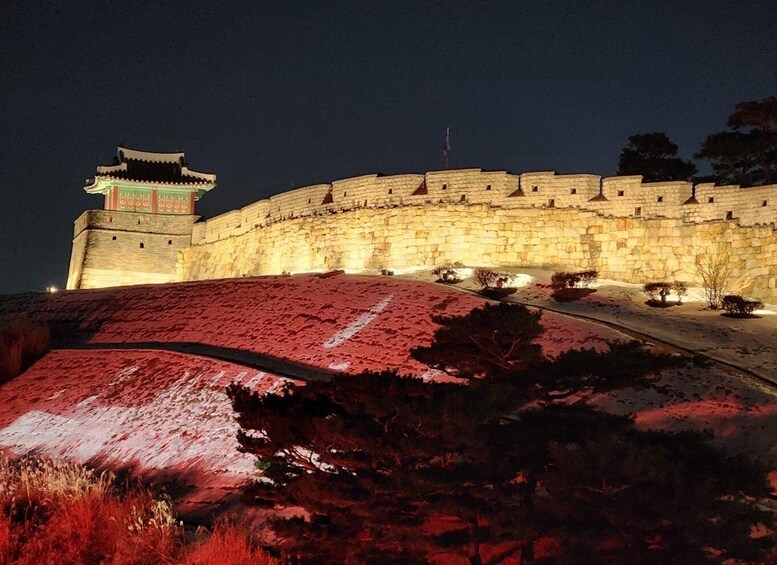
(640, 335)
(268, 363)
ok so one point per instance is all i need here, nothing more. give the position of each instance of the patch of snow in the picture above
(519, 280)
(279, 384)
(82, 434)
(610, 282)
(695, 294)
(431, 374)
(339, 365)
(124, 374)
(358, 324)
(87, 401)
(217, 377)
(255, 380)
(764, 312)
(464, 272)
(409, 270)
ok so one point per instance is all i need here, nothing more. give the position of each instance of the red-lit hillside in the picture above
(163, 414)
(343, 323)
(142, 380)
(137, 374)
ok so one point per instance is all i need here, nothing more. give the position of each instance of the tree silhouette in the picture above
(491, 340)
(748, 154)
(389, 469)
(654, 156)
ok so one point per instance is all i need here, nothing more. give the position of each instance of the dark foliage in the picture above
(485, 278)
(748, 154)
(654, 156)
(391, 469)
(658, 292)
(739, 306)
(577, 279)
(447, 272)
(497, 293)
(487, 341)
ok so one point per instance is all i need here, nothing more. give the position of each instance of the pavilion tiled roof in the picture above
(144, 166)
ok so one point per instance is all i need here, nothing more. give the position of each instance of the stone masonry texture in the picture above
(630, 231)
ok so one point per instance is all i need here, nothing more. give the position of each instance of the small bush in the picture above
(579, 279)
(657, 293)
(22, 342)
(497, 293)
(485, 278)
(739, 306)
(386, 273)
(447, 272)
(562, 280)
(587, 278)
(680, 289)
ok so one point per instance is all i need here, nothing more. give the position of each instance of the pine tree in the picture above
(654, 156)
(748, 154)
(384, 468)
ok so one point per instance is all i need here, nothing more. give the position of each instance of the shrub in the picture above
(562, 280)
(502, 279)
(657, 292)
(680, 289)
(740, 306)
(387, 272)
(587, 278)
(446, 273)
(22, 342)
(498, 293)
(485, 278)
(718, 274)
(572, 280)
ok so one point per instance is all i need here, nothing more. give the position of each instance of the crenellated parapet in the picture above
(621, 197)
(628, 230)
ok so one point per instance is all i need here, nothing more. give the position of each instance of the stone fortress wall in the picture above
(628, 230)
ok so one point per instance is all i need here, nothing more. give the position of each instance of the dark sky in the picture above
(270, 95)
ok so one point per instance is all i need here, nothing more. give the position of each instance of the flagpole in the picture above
(447, 148)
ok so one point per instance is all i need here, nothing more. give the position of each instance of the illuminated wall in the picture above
(628, 249)
(629, 230)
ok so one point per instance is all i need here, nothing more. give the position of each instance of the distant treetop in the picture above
(748, 154)
(654, 156)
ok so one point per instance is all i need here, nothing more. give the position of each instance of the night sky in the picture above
(276, 95)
